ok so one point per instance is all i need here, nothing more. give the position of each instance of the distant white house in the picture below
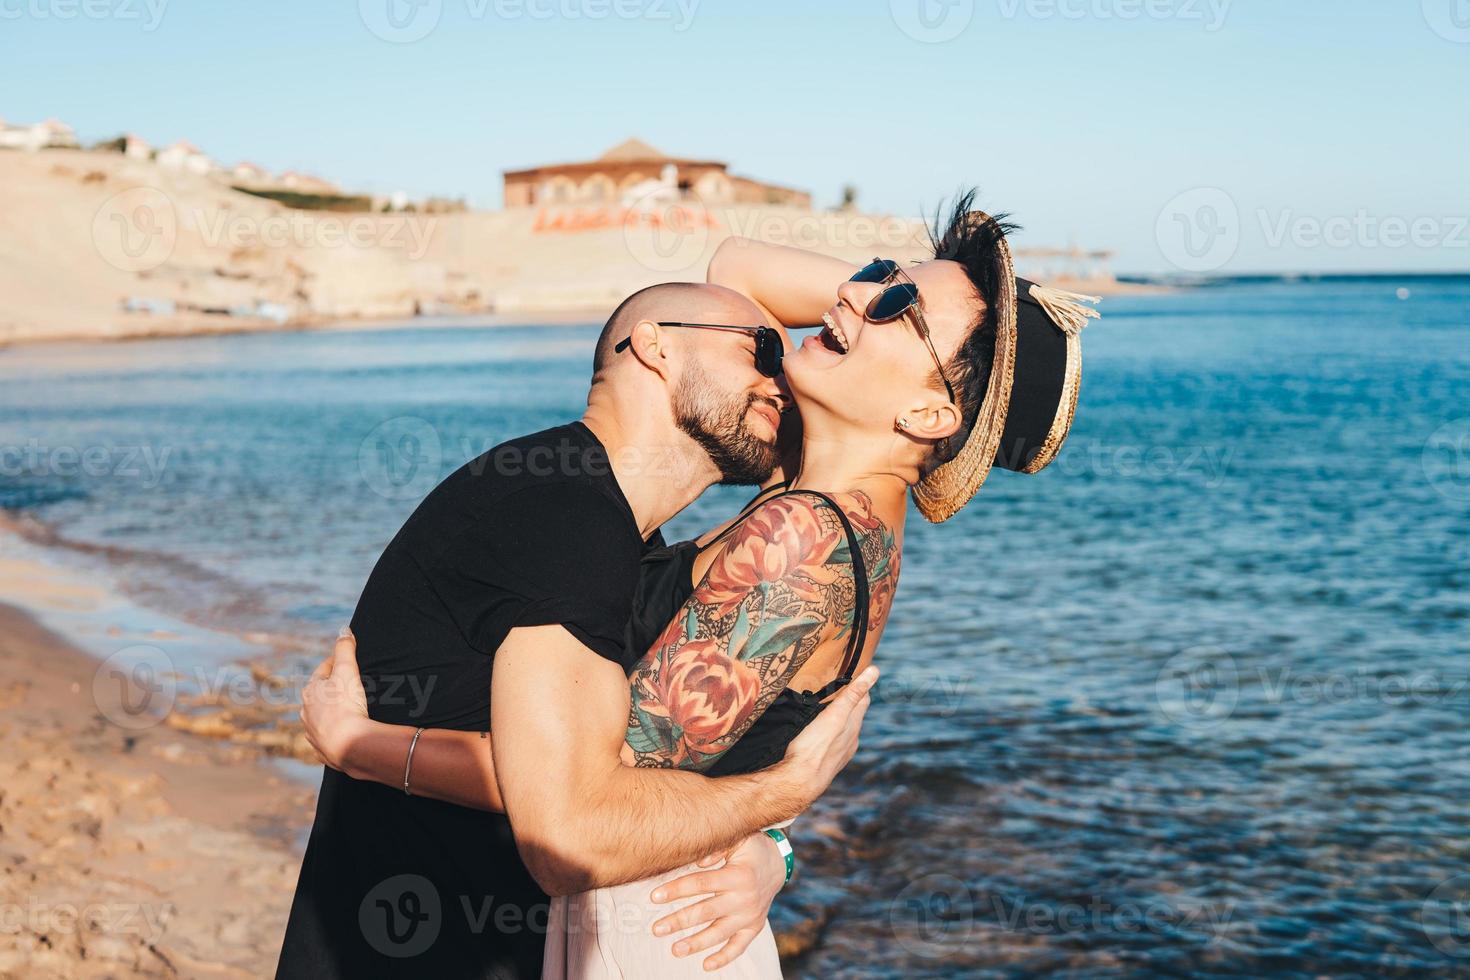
(136, 147)
(130, 145)
(250, 173)
(187, 157)
(37, 136)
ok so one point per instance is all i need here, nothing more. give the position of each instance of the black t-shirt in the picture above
(534, 532)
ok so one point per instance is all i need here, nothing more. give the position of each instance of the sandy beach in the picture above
(120, 830)
(119, 844)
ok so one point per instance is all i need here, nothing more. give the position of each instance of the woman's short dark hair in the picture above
(961, 234)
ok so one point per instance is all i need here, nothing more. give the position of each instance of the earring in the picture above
(903, 423)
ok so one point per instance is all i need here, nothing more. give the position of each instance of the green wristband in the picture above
(783, 844)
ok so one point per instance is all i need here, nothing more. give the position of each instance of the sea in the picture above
(1191, 702)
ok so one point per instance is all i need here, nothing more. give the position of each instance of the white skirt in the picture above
(607, 934)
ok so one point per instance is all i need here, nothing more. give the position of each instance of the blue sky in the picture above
(1105, 123)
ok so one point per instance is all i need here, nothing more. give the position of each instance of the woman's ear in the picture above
(936, 420)
(646, 343)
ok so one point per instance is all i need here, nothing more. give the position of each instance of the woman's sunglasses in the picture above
(895, 301)
(768, 346)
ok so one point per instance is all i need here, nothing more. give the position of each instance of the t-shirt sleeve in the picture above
(561, 553)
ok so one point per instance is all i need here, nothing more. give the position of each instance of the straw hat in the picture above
(1035, 375)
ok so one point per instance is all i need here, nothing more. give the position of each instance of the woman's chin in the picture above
(816, 392)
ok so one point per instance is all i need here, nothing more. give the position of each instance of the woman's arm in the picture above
(792, 285)
(776, 594)
(452, 766)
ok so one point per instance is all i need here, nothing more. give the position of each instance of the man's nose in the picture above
(773, 389)
(784, 390)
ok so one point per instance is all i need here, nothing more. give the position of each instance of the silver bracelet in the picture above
(408, 764)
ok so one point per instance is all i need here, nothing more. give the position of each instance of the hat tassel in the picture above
(1066, 308)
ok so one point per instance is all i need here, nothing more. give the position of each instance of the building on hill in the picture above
(631, 170)
(183, 155)
(135, 147)
(38, 136)
(130, 145)
(250, 174)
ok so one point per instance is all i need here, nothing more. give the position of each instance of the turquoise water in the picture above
(1192, 702)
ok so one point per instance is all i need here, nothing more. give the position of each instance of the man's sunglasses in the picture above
(768, 346)
(895, 301)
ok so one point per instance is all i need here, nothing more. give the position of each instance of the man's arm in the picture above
(584, 820)
(793, 285)
(452, 766)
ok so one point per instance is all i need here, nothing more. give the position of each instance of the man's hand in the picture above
(334, 708)
(738, 898)
(584, 820)
(818, 754)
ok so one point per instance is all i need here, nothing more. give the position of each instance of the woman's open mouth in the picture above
(832, 336)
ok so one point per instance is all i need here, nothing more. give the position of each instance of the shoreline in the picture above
(136, 327)
(119, 840)
(154, 328)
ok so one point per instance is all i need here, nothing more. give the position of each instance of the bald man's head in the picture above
(716, 395)
(688, 302)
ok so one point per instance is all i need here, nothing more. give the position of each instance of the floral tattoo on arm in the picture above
(779, 588)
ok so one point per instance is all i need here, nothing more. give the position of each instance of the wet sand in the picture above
(131, 851)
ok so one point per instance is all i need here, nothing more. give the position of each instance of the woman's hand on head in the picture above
(737, 898)
(334, 708)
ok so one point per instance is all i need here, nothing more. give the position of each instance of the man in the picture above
(525, 561)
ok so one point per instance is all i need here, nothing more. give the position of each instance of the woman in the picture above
(906, 388)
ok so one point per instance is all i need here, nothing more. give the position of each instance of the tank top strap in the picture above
(858, 638)
(755, 502)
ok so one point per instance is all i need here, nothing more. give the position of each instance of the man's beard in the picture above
(718, 424)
